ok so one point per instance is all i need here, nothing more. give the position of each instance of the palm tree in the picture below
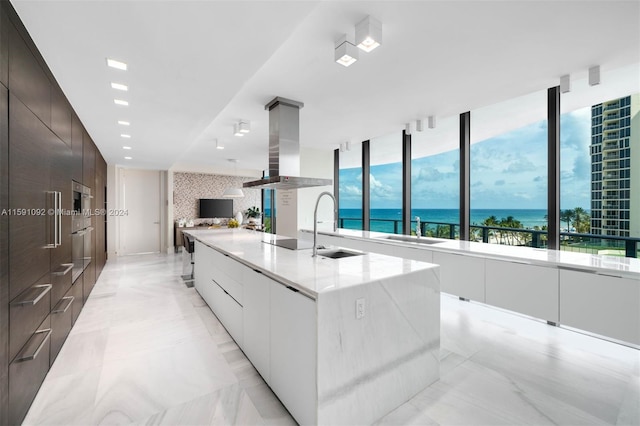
(567, 216)
(582, 220)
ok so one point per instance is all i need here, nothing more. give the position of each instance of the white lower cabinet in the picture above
(528, 289)
(461, 275)
(293, 352)
(255, 312)
(601, 304)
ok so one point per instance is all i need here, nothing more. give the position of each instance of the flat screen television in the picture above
(211, 207)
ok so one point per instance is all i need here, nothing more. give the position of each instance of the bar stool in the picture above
(187, 259)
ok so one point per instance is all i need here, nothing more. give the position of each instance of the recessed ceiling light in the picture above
(116, 64)
(123, 123)
(125, 136)
(120, 102)
(128, 158)
(126, 147)
(119, 86)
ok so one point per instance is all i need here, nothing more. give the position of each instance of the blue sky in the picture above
(508, 171)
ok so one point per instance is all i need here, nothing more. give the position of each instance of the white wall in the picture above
(319, 164)
(112, 203)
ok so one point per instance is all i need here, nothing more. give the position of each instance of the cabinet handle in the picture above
(34, 354)
(57, 310)
(68, 267)
(44, 289)
(59, 213)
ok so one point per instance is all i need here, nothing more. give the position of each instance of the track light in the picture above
(432, 122)
(594, 75)
(419, 125)
(219, 145)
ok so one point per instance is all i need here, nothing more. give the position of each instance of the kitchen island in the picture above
(339, 341)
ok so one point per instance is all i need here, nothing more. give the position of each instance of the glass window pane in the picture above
(600, 144)
(350, 190)
(435, 179)
(385, 181)
(509, 171)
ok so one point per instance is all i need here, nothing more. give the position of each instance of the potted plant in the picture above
(253, 213)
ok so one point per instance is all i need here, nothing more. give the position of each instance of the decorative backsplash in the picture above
(188, 188)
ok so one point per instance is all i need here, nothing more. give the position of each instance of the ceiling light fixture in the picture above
(244, 126)
(407, 128)
(120, 102)
(369, 34)
(346, 52)
(233, 192)
(219, 144)
(119, 86)
(116, 64)
(126, 147)
(419, 125)
(431, 122)
(236, 130)
(128, 158)
(122, 135)
(594, 75)
(123, 123)
(565, 84)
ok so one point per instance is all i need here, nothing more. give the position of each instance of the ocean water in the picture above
(388, 218)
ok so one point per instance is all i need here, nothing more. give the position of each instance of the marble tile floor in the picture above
(147, 350)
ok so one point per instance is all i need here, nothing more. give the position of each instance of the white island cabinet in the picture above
(339, 341)
(594, 293)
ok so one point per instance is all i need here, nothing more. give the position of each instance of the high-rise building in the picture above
(615, 167)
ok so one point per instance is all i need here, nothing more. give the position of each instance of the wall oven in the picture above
(80, 228)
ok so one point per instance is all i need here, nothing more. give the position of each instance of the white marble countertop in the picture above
(601, 264)
(297, 268)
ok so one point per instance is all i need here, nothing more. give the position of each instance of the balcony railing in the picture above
(610, 107)
(506, 236)
(610, 146)
(608, 157)
(610, 186)
(610, 117)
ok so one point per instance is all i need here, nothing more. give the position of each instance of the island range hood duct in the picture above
(284, 149)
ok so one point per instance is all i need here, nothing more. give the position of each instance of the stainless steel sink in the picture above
(408, 239)
(338, 254)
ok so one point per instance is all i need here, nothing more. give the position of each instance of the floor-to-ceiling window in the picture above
(435, 178)
(385, 183)
(350, 189)
(600, 160)
(509, 171)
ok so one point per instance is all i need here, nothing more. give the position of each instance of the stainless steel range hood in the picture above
(284, 149)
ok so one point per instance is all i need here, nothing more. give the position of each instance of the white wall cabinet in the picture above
(528, 289)
(461, 275)
(293, 352)
(605, 305)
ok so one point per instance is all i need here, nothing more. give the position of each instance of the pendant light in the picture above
(232, 192)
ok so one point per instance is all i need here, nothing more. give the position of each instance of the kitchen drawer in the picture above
(61, 322)
(76, 292)
(60, 282)
(228, 283)
(229, 312)
(26, 312)
(229, 266)
(27, 371)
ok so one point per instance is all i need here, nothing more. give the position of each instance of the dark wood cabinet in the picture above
(4, 252)
(60, 115)
(27, 371)
(77, 132)
(43, 147)
(27, 80)
(4, 49)
(29, 170)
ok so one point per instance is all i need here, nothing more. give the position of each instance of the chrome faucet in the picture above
(315, 220)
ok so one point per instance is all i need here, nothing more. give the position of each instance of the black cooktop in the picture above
(290, 243)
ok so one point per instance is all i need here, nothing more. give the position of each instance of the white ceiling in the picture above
(197, 67)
